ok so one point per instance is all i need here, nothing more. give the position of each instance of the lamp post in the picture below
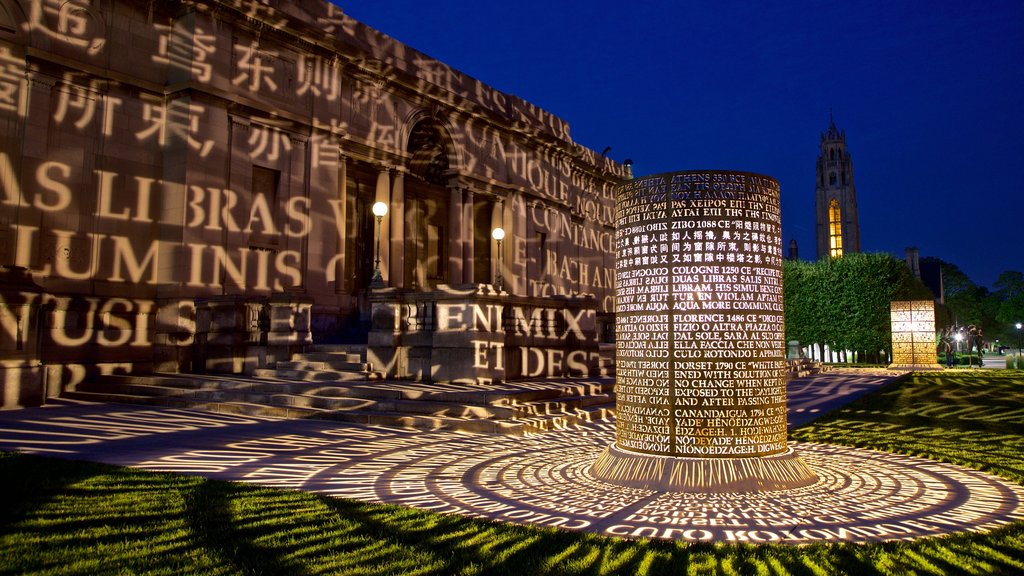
(1018, 325)
(379, 210)
(499, 235)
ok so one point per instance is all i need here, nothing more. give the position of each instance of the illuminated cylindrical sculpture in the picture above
(700, 357)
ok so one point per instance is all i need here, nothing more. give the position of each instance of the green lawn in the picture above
(66, 517)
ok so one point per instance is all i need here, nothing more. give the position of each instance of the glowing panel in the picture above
(913, 334)
(700, 352)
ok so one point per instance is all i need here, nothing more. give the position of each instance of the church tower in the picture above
(838, 228)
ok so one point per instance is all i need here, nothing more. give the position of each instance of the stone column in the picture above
(175, 333)
(342, 215)
(455, 236)
(383, 194)
(300, 185)
(21, 372)
(396, 213)
(468, 240)
(498, 221)
(533, 270)
(289, 326)
(518, 250)
(384, 350)
(224, 331)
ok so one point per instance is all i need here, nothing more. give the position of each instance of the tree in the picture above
(1009, 290)
(1009, 284)
(963, 297)
(844, 302)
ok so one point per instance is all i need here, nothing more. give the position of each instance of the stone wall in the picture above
(156, 154)
(476, 334)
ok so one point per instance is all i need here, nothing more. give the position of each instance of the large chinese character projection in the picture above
(701, 388)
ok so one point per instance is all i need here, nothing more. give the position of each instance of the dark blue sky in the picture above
(930, 96)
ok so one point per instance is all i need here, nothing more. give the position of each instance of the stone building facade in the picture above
(187, 174)
(838, 229)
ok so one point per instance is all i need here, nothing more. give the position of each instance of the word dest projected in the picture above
(701, 355)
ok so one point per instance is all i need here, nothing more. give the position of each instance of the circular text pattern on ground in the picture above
(860, 495)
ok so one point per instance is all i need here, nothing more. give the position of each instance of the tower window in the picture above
(835, 229)
(831, 178)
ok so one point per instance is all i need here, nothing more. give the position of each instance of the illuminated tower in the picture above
(838, 227)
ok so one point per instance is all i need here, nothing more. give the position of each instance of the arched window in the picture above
(831, 178)
(835, 229)
(429, 157)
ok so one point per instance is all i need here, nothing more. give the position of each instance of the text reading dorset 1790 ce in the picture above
(700, 366)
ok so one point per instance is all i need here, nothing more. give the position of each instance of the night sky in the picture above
(930, 96)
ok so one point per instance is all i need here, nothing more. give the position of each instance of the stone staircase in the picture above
(333, 363)
(335, 383)
(803, 367)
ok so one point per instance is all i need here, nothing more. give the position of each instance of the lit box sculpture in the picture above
(913, 335)
(700, 360)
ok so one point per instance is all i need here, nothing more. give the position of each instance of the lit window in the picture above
(835, 229)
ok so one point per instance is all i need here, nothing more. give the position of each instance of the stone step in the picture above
(328, 357)
(562, 405)
(239, 395)
(565, 421)
(321, 365)
(229, 384)
(264, 382)
(355, 349)
(803, 368)
(393, 419)
(180, 402)
(273, 394)
(301, 375)
(568, 390)
(190, 381)
(516, 408)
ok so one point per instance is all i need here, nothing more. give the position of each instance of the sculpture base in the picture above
(783, 471)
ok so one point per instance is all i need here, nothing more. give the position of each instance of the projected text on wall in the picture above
(700, 357)
(107, 178)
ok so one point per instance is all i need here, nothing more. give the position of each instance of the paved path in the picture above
(543, 479)
(810, 397)
(994, 361)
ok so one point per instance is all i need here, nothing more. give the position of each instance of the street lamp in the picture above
(499, 235)
(1018, 325)
(379, 210)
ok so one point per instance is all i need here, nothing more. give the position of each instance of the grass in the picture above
(69, 517)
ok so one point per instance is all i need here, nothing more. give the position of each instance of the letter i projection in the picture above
(700, 357)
